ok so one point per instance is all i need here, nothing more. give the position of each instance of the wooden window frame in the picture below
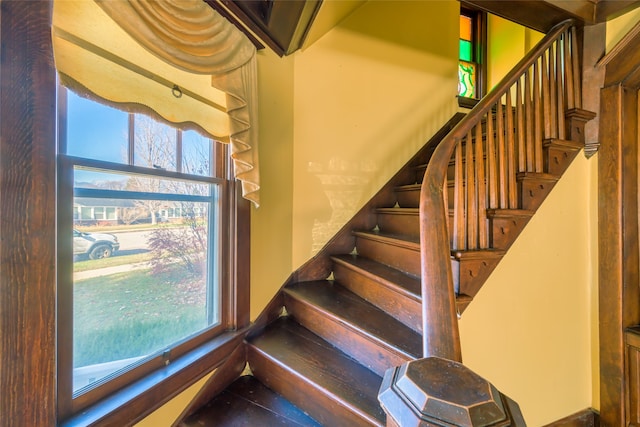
(131, 396)
(479, 29)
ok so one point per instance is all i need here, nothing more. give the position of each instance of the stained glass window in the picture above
(467, 66)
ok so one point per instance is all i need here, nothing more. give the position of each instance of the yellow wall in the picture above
(618, 27)
(529, 329)
(340, 116)
(368, 94)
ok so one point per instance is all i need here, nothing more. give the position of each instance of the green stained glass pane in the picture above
(465, 50)
(466, 79)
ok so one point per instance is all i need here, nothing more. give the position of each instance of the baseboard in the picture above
(586, 418)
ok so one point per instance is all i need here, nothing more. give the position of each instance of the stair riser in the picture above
(370, 354)
(504, 231)
(314, 400)
(402, 258)
(557, 160)
(471, 274)
(405, 309)
(405, 224)
(533, 192)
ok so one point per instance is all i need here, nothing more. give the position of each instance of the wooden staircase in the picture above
(355, 310)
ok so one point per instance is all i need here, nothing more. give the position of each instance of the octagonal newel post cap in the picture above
(440, 392)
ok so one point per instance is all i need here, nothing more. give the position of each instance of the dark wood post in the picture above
(440, 392)
(27, 215)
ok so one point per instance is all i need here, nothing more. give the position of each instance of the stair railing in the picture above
(501, 139)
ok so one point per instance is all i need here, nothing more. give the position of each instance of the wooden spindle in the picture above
(575, 57)
(546, 97)
(537, 119)
(481, 214)
(568, 67)
(459, 236)
(502, 161)
(553, 89)
(510, 154)
(528, 121)
(491, 163)
(470, 191)
(559, 91)
(520, 132)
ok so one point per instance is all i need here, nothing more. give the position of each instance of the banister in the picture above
(439, 316)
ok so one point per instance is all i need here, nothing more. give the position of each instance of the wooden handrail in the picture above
(524, 109)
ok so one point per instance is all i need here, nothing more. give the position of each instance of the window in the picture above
(471, 76)
(145, 225)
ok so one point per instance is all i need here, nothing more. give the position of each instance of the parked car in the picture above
(94, 245)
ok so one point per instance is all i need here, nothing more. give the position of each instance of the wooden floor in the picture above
(249, 403)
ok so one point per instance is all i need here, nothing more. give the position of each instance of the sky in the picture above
(99, 132)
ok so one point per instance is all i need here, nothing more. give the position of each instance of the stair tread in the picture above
(566, 144)
(509, 213)
(412, 242)
(319, 363)
(477, 254)
(367, 319)
(405, 284)
(248, 402)
(541, 176)
(399, 211)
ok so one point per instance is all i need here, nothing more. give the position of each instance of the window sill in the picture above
(464, 102)
(136, 401)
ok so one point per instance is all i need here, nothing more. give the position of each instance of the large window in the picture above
(144, 229)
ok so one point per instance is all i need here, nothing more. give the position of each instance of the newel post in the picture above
(440, 392)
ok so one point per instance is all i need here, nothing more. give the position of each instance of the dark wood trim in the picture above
(27, 215)
(227, 373)
(585, 418)
(623, 61)
(136, 401)
(619, 293)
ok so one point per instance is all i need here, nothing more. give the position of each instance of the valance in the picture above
(179, 58)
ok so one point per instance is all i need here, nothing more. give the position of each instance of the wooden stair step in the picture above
(327, 384)
(389, 289)
(394, 250)
(358, 328)
(399, 220)
(248, 402)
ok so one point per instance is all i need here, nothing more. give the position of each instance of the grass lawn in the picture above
(112, 261)
(134, 314)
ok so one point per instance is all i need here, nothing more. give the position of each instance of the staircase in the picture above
(355, 310)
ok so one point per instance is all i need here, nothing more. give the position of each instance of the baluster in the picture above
(511, 155)
(502, 161)
(537, 119)
(520, 127)
(553, 103)
(470, 190)
(483, 234)
(568, 66)
(491, 162)
(445, 197)
(459, 236)
(560, 91)
(575, 57)
(546, 100)
(528, 121)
